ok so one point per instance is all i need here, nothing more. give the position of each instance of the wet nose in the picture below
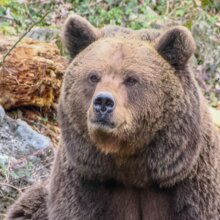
(104, 103)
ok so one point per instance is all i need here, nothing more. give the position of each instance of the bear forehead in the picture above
(126, 47)
(121, 53)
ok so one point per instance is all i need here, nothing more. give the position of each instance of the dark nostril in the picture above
(104, 103)
(98, 101)
(109, 103)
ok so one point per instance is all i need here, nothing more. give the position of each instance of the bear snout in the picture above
(104, 104)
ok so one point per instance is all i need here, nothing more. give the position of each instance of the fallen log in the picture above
(31, 75)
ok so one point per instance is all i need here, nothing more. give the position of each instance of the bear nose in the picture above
(104, 103)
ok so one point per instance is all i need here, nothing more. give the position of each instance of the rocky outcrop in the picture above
(25, 158)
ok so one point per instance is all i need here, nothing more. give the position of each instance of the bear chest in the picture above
(134, 204)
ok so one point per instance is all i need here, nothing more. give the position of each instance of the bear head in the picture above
(124, 93)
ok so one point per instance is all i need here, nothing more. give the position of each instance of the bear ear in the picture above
(176, 46)
(78, 33)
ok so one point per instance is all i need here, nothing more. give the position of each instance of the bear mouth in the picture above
(103, 123)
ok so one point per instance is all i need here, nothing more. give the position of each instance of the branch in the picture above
(7, 18)
(21, 37)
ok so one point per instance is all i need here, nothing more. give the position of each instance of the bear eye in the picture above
(130, 81)
(94, 78)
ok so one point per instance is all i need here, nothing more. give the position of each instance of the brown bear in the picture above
(137, 139)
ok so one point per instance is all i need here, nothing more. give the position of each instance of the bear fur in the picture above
(159, 159)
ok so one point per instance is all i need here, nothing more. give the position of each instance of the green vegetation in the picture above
(16, 16)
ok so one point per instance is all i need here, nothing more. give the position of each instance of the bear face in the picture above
(118, 70)
(138, 76)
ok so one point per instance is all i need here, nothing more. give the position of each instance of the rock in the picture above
(2, 114)
(44, 34)
(3, 160)
(25, 158)
(31, 137)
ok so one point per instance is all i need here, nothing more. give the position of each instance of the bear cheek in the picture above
(146, 111)
(124, 120)
(77, 99)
